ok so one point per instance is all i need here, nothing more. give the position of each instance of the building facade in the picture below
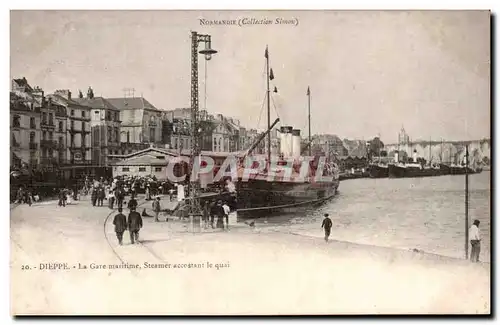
(141, 123)
(104, 128)
(25, 118)
(77, 124)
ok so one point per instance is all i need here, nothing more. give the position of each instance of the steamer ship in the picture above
(281, 187)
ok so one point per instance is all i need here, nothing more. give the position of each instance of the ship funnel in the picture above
(296, 143)
(286, 141)
(396, 156)
(415, 156)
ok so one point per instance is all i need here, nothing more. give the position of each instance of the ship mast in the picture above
(430, 150)
(441, 156)
(268, 108)
(309, 116)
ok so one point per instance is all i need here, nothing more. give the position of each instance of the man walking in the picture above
(120, 222)
(156, 208)
(226, 210)
(62, 198)
(206, 214)
(475, 242)
(134, 225)
(119, 197)
(132, 203)
(327, 226)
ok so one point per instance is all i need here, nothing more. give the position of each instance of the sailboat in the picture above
(272, 189)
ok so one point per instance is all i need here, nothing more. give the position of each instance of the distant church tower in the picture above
(404, 141)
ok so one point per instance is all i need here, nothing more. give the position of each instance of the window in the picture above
(72, 112)
(83, 114)
(83, 126)
(117, 116)
(83, 140)
(160, 157)
(44, 135)
(158, 169)
(44, 118)
(142, 169)
(61, 126)
(16, 122)
(128, 136)
(152, 135)
(72, 140)
(51, 153)
(72, 125)
(51, 119)
(61, 141)
(96, 113)
(117, 135)
(32, 123)
(32, 137)
(51, 136)
(125, 169)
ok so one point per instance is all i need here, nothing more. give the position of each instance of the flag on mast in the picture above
(308, 91)
(266, 54)
(271, 74)
(275, 89)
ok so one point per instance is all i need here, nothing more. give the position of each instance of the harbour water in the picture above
(423, 213)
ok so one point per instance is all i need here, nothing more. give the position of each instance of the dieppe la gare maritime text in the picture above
(248, 21)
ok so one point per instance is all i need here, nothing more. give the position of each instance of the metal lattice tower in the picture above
(195, 208)
(195, 139)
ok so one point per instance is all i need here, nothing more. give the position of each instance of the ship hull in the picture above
(379, 171)
(410, 172)
(258, 196)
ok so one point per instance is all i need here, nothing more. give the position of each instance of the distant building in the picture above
(25, 118)
(105, 128)
(77, 125)
(329, 144)
(142, 123)
(218, 133)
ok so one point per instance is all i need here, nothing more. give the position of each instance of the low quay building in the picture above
(154, 161)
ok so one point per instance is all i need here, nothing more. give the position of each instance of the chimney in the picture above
(63, 93)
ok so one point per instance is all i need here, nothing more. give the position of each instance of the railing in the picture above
(48, 144)
(48, 161)
(32, 126)
(47, 124)
(80, 162)
(33, 146)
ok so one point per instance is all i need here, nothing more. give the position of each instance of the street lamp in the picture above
(195, 128)
(208, 51)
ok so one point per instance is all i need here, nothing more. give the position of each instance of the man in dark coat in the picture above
(120, 222)
(157, 208)
(100, 196)
(134, 225)
(62, 198)
(119, 197)
(327, 226)
(93, 196)
(132, 203)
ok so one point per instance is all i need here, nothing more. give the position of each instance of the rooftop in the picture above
(126, 103)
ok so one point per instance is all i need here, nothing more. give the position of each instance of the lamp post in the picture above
(196, 38)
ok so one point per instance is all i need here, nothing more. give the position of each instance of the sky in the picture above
(370, 72)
